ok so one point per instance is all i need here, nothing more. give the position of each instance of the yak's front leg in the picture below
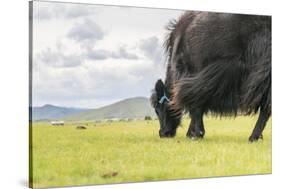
(196, 127)
(260, 125)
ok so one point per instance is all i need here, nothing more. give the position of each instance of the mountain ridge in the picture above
(136, 107)
(50, 112)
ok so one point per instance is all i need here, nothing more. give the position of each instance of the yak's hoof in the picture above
(255, 138)
(194, 135)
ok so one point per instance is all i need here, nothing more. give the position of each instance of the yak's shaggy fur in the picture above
(219, 63)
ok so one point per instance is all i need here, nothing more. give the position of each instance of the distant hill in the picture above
(137, 107)
(50, 112)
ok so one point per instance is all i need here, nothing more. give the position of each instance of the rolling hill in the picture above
(49, 112)
(130, 108)
(137, 107)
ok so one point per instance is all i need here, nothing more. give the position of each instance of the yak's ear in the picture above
(160, 88)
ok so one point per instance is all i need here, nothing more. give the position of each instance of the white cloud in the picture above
(153, 49)
(95, 55)
(56, 10)
(59, 59)
(101, 54)
(87, 32)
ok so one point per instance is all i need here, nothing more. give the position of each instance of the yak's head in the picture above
(161, 103)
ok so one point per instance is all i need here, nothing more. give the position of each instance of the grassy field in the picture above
(132, 151)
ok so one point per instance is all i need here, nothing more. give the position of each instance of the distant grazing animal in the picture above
(57, 123)
(81, 127)
(217, 63)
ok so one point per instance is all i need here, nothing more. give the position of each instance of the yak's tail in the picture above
(215, 88)
(257, 89)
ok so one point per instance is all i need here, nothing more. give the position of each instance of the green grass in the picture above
(67, 156)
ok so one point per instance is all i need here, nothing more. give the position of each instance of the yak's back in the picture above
(221, 62)
(214, 35)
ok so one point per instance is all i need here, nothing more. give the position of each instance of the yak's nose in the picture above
(167, 134)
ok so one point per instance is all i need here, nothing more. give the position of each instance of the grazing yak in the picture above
(217, 63)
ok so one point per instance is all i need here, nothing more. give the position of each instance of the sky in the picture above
(89, 56)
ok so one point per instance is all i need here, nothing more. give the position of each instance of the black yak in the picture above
(217, 63)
